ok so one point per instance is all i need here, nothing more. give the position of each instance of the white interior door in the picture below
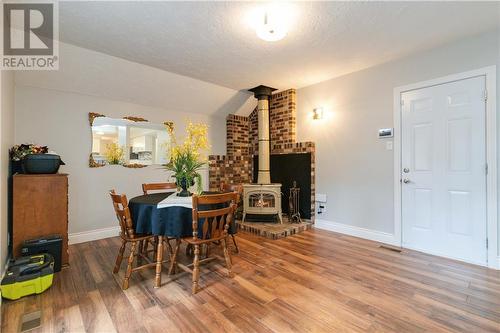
(443, 160)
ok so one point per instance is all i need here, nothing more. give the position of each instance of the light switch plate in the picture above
(320, 197)
(388, 145)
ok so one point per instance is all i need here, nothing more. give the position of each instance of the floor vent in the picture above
(31, 320)
(390, 248)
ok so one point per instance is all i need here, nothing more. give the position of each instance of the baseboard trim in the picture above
(444, 255)
(377, 236)
(87, 236)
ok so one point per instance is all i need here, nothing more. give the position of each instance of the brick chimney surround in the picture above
(242, 143)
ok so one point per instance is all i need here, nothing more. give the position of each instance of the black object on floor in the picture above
(50, 244)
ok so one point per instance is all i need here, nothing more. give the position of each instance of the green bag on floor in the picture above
(28, 275)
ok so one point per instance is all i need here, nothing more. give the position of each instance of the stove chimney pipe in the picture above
(263, 93)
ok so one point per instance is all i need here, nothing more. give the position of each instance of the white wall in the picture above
(6, 141)
(96, 74)
(52, 109)
(354, 168)
(60, 120)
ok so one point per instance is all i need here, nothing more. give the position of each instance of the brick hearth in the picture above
(274, 230)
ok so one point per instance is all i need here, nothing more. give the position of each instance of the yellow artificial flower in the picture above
(114, 153)
(187, 158)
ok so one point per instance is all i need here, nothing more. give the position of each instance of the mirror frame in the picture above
(93, 115)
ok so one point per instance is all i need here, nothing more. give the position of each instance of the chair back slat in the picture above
(215, 227)
(211, 199)
(158, 187)
(120, 204)
(205, 228)
(221, 227)
(214, 212)
(238, 188)
(225, 187)
(214, 222)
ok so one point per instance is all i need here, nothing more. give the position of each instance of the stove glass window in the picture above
(262, 200)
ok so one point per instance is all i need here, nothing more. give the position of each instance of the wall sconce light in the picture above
(318, 113)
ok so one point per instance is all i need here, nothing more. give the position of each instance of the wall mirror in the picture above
(130, 141)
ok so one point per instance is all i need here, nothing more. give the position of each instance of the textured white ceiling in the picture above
(88, 72)
(212, 41)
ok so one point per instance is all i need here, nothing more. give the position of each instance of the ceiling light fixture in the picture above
(271, 30)
(271, 22)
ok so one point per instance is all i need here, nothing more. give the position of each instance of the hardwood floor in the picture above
(316, 281)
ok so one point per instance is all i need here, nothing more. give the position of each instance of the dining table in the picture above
(164, 215)
(168, 220)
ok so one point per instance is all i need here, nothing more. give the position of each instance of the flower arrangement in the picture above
(186, 159)
(114, 153)
(17, 152)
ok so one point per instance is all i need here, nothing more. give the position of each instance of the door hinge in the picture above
(485, 95)
(486, 168)
(402, 102)
(486, 242)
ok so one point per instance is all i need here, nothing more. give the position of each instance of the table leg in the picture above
(173, 257)
(159, 260)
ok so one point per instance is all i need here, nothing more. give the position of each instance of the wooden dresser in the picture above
(40, 208)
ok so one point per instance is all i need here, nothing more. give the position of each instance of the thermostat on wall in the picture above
(385, 133)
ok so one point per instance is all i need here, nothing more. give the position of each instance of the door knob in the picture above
(406, 170)
(406, 180)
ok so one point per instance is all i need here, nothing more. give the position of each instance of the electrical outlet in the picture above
(320, 203)
(321, 208)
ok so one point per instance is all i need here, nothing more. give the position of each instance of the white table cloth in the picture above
(173, 200)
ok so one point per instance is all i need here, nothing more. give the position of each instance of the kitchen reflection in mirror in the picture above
(131, 142)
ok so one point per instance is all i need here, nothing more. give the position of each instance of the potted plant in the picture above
(18, 152)
(187, 159)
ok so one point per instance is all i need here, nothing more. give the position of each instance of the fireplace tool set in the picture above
(293, 203)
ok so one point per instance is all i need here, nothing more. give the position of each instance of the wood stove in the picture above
(262, 198)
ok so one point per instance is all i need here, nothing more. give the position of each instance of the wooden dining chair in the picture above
(158, 187)
(209, 227)
(238, 188)
(146, 189)
(128, 235)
